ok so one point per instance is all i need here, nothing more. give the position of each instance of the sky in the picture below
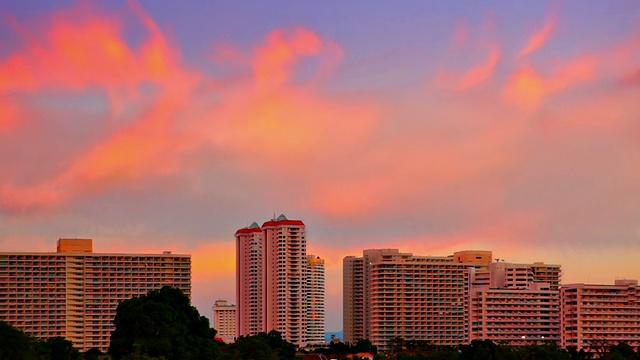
(427, 126)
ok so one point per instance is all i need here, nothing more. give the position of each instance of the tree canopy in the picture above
(263, 346)
(162, 324)
(15, 344)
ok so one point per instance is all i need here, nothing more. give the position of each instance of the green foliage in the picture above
(93, 354)
(364, 345)
(621, 351)
(262, 346)
(15, 344)
(58, 348)
(162, 324)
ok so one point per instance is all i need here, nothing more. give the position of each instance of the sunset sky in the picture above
(428, 126)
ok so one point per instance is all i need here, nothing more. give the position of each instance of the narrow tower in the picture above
(272, 279)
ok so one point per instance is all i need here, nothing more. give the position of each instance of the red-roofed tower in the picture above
(271, 274)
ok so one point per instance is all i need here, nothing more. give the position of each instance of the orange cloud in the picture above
(526, 87)
(480, 72)
(9, 115)
(79, 51)
(538, 39)
(476, 74)
(265, 115)
(272, 61)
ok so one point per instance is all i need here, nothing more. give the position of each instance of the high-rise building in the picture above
(224, 320)
(74, 292)
(315, 300)
(390, 294)
(517, 303)
(250, 280)
(595, 317)
(272, 285)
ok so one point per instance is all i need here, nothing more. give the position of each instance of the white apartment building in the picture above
(272, 281)
(74, 292)
(516, 303)
(389, 294)
(224, 320)
(597, 315)
(315, 301)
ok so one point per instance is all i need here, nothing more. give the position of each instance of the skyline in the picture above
(427, 127)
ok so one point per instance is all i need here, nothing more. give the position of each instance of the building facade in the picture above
(315, 300)
(249, 280)
(272, 279)
(74, 292)
(596, 316)
(224, 320)
(390, 294)
(515, 303)
(522, 316)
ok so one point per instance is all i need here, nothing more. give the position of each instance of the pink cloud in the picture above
(539, 38)
(527, 87)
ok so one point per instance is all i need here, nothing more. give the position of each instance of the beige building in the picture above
(249, 280)
(388, 294)
(224, 320)
(600, 315)
(315, 301)
(515, 303)
(272, 280)
(74, 292)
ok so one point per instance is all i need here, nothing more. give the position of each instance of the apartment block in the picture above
(315, 300)
(273, 288)
(522, 316)
(250, 280)
(74, 292)
(600, 315)
(224, 320)
(389, 294)
(515, 303)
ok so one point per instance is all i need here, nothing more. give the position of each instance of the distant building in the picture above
(272, 287)
(74, 292)
(596, 316)
(315, 300)
(224, 320)
(388, 294)
(250, 283)
(516, 303)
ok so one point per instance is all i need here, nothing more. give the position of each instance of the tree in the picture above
(396, 344)
(364, 345)
(58, 348)
(162, 324)
(262, 346)
(15, 344)
(622, 351)
(600, 347)
(92, 354)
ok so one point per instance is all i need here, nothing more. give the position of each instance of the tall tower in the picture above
(271, 272)
(249, 280)
(315, 300)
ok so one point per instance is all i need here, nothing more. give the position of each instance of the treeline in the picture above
(400, 349)
(16, 345)
(362, 346)
(488, 350)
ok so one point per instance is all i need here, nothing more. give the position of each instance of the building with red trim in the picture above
(273, 282)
